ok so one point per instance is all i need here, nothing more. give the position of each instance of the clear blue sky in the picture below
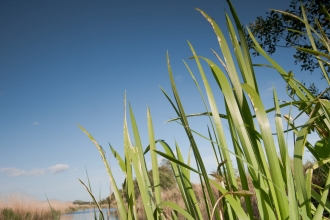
(64, 63)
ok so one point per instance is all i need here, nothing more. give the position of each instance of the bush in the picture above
(166, 176)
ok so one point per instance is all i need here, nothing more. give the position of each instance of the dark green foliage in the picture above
(9, 214)
(79, 202)
(166, 176)
(272, 32)
(322, 148)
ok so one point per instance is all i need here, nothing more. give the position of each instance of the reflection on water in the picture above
(88, 214)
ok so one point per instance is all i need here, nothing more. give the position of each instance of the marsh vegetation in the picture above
(268, 184)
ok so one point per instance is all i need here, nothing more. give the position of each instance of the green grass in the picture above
(262, 158)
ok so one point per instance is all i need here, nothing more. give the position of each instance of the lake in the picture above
(88, 214)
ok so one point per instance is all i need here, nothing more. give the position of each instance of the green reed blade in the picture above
(317, 198)
(270, 150)
(239, 55)
(184, 121)
(232, 73)
(118, 158)
(249, 73)
(286, 76)
(321, 206)
(313, 52)
(311, 39)
(298, 167)
(309, 176)
(140, 169)
(120, 203)
(171, 158)
(293, 203)
(188, 163)
(91, 194)
(176, 207)
(233, 202)
(180, 158)
(154, 161)
(138, 144)
(192, 197)
(178, 176)
(218, 125)
(130, 188)
(320, 163)
(240, 165)
(205, 105)
(198, 114)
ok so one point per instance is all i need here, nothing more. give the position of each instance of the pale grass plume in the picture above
(23, 204)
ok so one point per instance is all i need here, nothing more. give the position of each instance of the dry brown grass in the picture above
(19, 205)
(175, 196)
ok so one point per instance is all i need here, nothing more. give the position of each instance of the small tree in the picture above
(275, 31)
(166, 177)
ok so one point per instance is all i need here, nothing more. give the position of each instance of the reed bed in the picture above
(19, 205)
(265, 186)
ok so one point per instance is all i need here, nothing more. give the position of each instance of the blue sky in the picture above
(64, 63)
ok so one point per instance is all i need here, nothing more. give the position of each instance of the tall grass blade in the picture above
(120, 203)
(176, 208)
(321, 206)
(218, 125)
(154, 161)
(251, 153)
(129, 184)
(94, 200)
(233, 202)
(298, 168)
(249, 73)
(55, 217)
(176, 161)
(192, 197)
(91, 192)
(185, 124)
(286, 163)
(205, 105)
(240, 165)
(119, 159)
(270, 149)
(177, 173)
(311, 39)
(232, 73)
(140, 170)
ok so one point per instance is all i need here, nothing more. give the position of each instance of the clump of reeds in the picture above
(19, 205)
(270, 187)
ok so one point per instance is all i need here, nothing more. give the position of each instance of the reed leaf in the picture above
(120, 203)
(185, 124)
(286, 163)
(94, 200)
(154, 161)
(177, 208)
(118, 158)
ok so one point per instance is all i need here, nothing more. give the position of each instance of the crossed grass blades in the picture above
(280, 190)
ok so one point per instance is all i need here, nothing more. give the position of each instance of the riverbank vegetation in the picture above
(20, 206)
(267, 184)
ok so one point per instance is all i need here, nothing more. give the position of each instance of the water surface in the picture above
(88, 214)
